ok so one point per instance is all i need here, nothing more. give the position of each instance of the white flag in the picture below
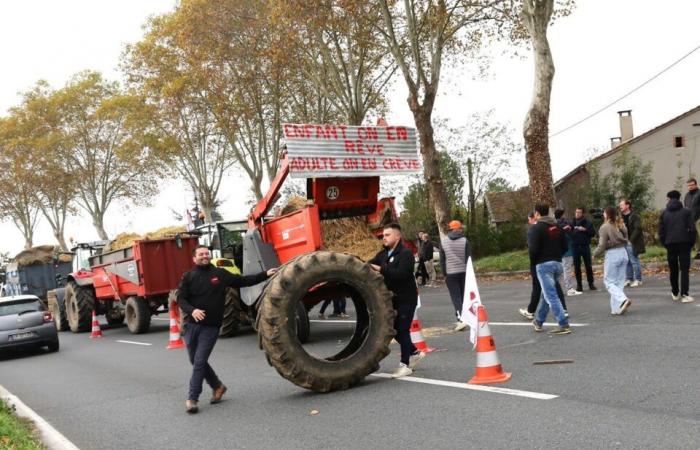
(471, 302)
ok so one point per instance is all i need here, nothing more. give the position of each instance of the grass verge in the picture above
(16, 433)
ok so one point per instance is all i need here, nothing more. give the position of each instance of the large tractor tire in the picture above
(373, 331)
(235, 316)
(138, 315)
(57, 306)
(79, 302)
(302, 323)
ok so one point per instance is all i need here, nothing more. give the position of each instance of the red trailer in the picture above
(132, 283)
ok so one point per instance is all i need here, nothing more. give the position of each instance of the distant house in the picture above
(671, 148)
(504, 207)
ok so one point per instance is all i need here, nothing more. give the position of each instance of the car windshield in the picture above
(20, 306)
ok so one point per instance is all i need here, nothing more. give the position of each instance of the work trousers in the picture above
(582, 252)
(679, 255)
(455, 286)
(200, 340)
(402, 325)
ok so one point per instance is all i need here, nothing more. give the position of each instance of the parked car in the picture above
(25, 322)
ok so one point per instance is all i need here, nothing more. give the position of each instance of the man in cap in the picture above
(454, 254)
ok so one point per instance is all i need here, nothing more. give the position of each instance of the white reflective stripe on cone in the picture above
(174, 336)
(416, 336)
(487, 359)
(484, 330)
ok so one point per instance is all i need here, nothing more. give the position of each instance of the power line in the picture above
(627, 94)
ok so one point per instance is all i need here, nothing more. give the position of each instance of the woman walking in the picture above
(612, 240)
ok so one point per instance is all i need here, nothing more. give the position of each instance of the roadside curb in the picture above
(48, 435)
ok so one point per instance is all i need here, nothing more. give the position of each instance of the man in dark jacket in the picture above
(582, 233)
(201, 296)
(426, 255)
(395, 263)
(692, 202)
(454, 254)
(677, 233)
(421, 271)
(635, 246)
(547, 245)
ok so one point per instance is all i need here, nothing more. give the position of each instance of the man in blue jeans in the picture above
(201, 296)
(635, 246)
(546, 246)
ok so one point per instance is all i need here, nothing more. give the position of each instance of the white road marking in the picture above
(160, 318)
(473, 387)
(332, 321)
(135, 343)
(529, 324)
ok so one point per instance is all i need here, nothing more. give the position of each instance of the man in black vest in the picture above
(395, 263)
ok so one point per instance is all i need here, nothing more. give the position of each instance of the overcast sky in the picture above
(606, 48)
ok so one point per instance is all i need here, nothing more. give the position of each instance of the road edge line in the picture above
(49, 436)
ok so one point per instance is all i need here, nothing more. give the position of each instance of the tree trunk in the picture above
(98, 223)
(536, 14)
(60, 238)
(431, 166)
(472, 197)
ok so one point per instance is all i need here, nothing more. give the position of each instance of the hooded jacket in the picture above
(676, 224)
(454, 252)
(547, 241)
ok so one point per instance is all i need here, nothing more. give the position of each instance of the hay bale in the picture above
(350, 235)
(295, 203)
(123, 240)
(165, 232)
(40, 254)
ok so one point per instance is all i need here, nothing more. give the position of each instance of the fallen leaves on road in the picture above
(314, 412)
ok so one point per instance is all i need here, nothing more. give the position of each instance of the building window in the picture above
(678, 142)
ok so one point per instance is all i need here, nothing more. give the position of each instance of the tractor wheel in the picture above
(57, 306)
(79, 302)
(302, 323)
(235, 316)
(138, 315)
(373, 331)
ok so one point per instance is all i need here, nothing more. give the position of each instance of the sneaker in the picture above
(528, 315)
(460, 326)
(218, 393)
(625, 305)
(191, 406)
(687, 299)
(402, 371)
(560, 330)
(322, 316)
(572, 292)
(334, 316)
(628, 282)
(537, 326)
(675, 297)
(344, 315)
(636, 283)
(415, 359)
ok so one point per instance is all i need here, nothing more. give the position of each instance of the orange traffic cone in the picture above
(96, 331)
(417, 335)
(488, 368)
(175, 338)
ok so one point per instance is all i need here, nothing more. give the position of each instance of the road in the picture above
(633, 384)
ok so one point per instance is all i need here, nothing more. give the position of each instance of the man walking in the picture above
(454, 254)
(426, 254)
(692, 202)
(536, 292)
(568, 258)
(421, 271)
(636, 246)
(546, 246)
(201, 296)
(395, 263)
(677, 233)
(582, 231)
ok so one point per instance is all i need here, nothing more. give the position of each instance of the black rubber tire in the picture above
(373, 332)
(53, 346)
(302, 323)
(235, 316)
(79, 302)
(138, 315)
(57, 306)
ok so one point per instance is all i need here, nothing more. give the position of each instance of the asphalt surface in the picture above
(633, 384)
